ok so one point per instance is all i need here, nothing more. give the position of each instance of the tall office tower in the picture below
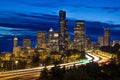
(50, 37)
(41, 39)
(87, 43)
(53, 40)
(63, 33)
(69, 42)
(15, 41)
(106, 37)
(27, 43)
(16, 48)
(79, 35)
(100, 41)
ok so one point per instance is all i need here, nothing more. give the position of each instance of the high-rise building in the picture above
(87, 43)
(16, 48)
(79, 35)
(62, 15)
(106, 37)
(27, 43)
(50, 38)
(63, 33)
(41, 39)
(15, 42)
(53, 40)
(100, 41)
(69, 42)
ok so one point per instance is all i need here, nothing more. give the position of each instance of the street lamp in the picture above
(16, 62)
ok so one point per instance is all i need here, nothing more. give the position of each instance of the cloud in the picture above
(109, 9)
(117, 28)
(39, 16)
(45, 4)
(33, 21)
(4, 31)
(105, 8)
(9, 29)
(48, 5)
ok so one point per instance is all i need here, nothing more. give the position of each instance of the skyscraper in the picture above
(41, 39)
(106, 37)
(79, 35)
(53, 40)
(15, 42)
(87, 43)
(27, 43)
(63, 33)
(50, 38)
(16, 48)
(69, 42)
(100, 41)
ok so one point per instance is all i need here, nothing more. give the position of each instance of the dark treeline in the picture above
(111, 49)
(90, 71)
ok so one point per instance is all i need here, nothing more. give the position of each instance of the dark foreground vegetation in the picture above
(91, 71)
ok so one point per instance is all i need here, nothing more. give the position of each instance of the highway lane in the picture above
(95, 57)
(27, 76)
(17, 73)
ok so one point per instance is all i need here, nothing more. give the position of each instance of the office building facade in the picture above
(41, 39)
(53, 40)
(100, 41)
(63, 32)
(106, 37)
(27, 43)
(87, 43)
(15, 42)
(79, 35)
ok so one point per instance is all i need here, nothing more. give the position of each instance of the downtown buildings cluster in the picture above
(54, 47)
(60, 41)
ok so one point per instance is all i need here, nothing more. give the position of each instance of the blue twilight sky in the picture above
(25, 17)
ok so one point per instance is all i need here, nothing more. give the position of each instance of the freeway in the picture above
(35, 71)
(94, 59)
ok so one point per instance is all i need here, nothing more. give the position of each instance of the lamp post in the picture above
(16, 63)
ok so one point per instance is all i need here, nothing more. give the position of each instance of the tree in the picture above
(35, 60)
(56, 73)
(44, 74)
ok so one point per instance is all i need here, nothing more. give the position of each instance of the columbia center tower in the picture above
(63, 31)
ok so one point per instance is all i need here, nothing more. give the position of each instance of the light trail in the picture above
(95, 57)
(21, 72)
(88, 57)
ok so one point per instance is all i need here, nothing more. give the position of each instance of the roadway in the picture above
(9, 75)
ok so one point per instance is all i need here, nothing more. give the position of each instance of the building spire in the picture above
(51, 29)
(15, 37)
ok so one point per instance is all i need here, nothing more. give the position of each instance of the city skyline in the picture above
(27, 21)
(59, 39)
